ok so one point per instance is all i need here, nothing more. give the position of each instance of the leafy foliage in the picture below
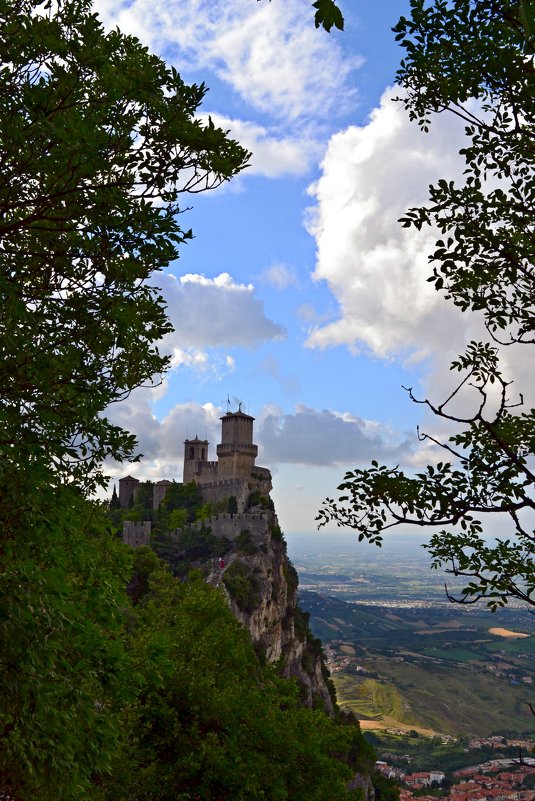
(242, 585)
(328, 15)
(244, 543)
(210, 722)
(64, 672)
(473, 59)
(190, 546)
(98, 139)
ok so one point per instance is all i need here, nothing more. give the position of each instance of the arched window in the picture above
(191, 453)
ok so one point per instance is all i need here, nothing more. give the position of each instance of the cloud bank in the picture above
(376, 269)
(323, 437)
(306, 437)
(269, 53)
(212, 313)
(273, 155)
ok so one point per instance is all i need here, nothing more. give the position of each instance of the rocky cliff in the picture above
(261, 584)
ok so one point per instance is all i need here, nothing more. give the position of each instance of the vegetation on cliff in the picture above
(156, 694)
(208, 720)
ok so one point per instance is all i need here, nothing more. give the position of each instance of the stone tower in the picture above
(159, 491)
(195, 454)
(236, 454)
(127, 490)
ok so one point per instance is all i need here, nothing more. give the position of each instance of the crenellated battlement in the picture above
(233, 474)
(229, 526)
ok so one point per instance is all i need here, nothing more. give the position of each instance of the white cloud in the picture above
(307, 437)
(279, 276)
(270, 53)
(376, 269)
(272, 156)
(162, 441)
(322, 438)
(212, 312)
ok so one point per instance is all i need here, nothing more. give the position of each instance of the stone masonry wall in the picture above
(229, 526)
(216, 491)
(135, 533)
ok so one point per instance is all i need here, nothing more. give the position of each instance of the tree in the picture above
(210, 722)
(473, 59)
(328, 15)
(98, 138)
(114, 502)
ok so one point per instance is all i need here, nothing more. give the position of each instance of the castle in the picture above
(234, 473)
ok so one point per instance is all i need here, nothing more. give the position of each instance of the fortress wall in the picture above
(159, 491)
(237, 428)
(236, 465)
(219, 490)
(206, 471)
(136, 533)
(127, 490)
(199, 472)
(229, 526)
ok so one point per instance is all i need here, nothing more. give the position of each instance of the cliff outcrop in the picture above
(261, 585)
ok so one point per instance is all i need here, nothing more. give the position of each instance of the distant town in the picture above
(495, 780)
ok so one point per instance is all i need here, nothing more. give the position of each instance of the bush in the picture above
(244, 543)
(301, 627)
(242, 586)
(292, 579)
(276, 533)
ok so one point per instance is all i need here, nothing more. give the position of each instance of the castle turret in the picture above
(127, 489)
(159, 492)
(195, 454)
(236, 453)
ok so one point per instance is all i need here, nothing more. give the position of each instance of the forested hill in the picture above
(217, 713)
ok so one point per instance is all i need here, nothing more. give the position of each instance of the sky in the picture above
(301, 296)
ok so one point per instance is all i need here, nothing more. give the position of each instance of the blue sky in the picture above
(300, 295)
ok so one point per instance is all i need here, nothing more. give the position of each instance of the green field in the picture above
(453, 654)
(437, 669)
(444, 701)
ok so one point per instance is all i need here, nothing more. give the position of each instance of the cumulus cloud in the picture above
(279, 276)
(213, 312)
(376, 269)
(273, 155)
(307, 437)
(161, 441)
(267, 52)
(322, 438)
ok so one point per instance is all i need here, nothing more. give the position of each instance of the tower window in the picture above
(191, 453)
(202, 453)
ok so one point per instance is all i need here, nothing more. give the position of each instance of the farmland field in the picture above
(402, 656)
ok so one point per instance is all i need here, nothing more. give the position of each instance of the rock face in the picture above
(261, 585)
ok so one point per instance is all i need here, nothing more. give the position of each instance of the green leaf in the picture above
(328, 15)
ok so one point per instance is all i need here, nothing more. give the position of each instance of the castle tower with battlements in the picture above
(236, 453)
(197, 468)
(233, 474)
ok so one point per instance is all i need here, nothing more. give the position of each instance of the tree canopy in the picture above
(473, 59)
(211, 722)
(98, 139)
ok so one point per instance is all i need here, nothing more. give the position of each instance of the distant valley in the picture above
(402, 656)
